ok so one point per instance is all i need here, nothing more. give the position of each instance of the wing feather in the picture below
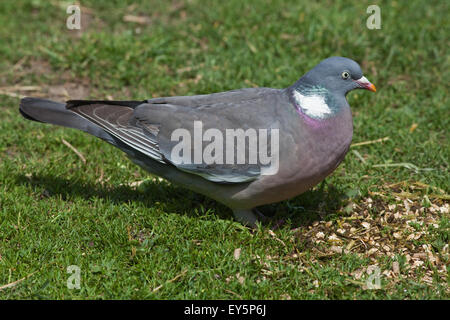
(147, 127)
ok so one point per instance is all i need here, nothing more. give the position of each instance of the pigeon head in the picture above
(338, 75)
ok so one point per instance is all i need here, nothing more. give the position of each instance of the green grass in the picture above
(56, 211)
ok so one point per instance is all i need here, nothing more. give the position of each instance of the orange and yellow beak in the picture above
(365, 84)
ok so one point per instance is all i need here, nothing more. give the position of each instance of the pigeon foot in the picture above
(249, 217)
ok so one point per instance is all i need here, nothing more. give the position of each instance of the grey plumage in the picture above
(312, 117)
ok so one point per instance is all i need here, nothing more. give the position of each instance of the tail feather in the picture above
(48, 111)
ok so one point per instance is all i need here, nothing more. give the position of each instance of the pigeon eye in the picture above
(345, 75)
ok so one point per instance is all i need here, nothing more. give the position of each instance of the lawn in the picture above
(67, 198)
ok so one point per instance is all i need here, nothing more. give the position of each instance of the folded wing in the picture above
(148, 126)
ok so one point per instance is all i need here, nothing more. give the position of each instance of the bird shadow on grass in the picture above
(319, 203)
(316, 204)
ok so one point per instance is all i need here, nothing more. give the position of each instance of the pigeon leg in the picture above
(266, 220)
(246, 217)
(249, 217)
(261, 217)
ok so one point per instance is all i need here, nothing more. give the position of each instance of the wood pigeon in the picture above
(244, 148)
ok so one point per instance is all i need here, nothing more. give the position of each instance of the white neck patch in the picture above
(313, 106)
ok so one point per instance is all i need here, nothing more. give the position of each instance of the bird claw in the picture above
(261, 217)
(251, 218)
